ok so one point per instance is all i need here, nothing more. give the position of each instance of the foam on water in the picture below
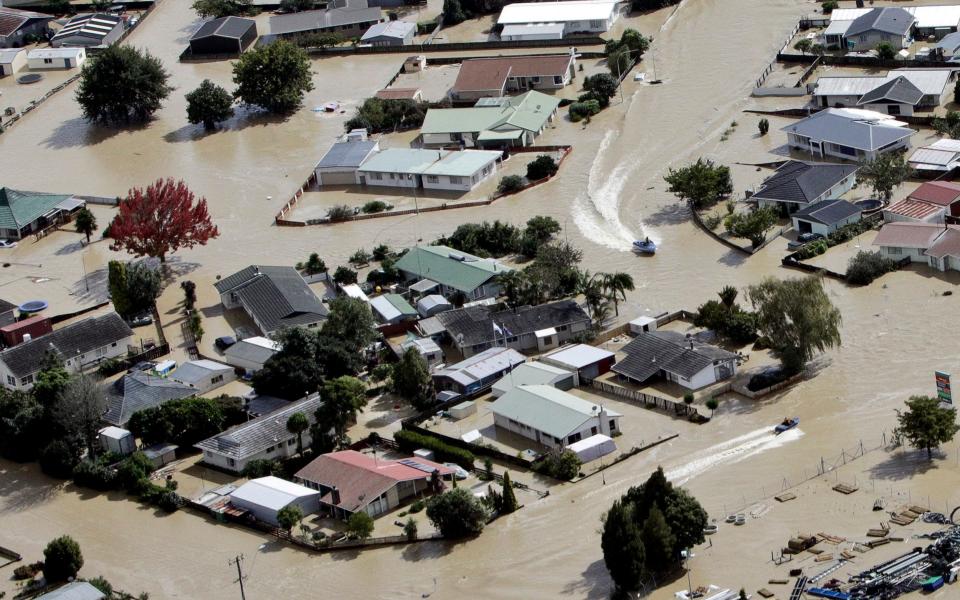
(731, 451)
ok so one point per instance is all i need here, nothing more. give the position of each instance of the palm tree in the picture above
(617, 285)
(512, 283)
(728, 295)
(591, 288)
(86, 222)
(297, 424)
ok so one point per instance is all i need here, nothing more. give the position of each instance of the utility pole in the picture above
(238, 561)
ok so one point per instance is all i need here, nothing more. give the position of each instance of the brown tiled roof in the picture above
(948, 244)
(398, 93)
(479, 74)
(12, 19)
(942, 193)
(908, 235)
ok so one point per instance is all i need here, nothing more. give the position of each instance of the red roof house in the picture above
(493, 77)
(940, 193)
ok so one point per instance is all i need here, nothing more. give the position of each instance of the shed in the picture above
(589, 362)
(40, 59)
(643, 324)
(340, 163)
(251, 353)
(432, 304)
(593, 447)
(463, 410)
(25, 330)
(226, 35)
(390, 33)
(535, 373)
(117, 440)
(204, 375)
(825, 217)
(12, 60)
(89, 30)
(265, 496)
(392, 308)
(161, 454)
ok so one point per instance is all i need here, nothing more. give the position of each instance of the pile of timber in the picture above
(845, 489)
(879, 533)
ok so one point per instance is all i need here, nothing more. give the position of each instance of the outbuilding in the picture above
(251, 353)
(432, 304)
(45, 59)
(340, 163)
(825, 217)
(593, 447)
(117, 440)
(390, 33)
(535, 373)
(265, 497)
(204, 375)
(589, 362)
(226, 35)
(12, 60)
(392, 308)
(89, 30)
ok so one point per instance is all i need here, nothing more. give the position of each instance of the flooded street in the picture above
(610, 191)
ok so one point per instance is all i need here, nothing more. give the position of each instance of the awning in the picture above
(423, 286)
(542, 333)
(71, 204)
(489, 135)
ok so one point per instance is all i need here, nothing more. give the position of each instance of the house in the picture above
(887, 24)
(204, 375)
(23, 213)
(930, 243)
(427, 348)
(899, 92)
(266, 496)
(432, 304)
(415, 94)
(349, 22)
(552, 417)
(430, 169)
(478, 373)
(525, 328)
(588, 362)
(44, 59)
(848, 133)
(493, 122)
(138, 391)
(937, 21)
(825, 217)
(78, 345)
(941, 156)
(535, 373)
(226, 35)
(929, 203)
(390, 33)
(76, 590)
(392, 308)
(677, 358)
(339, 165)
(797, 184)
(451, 273)
(556, 20)
(265, 437)
(251, 353)
(495, 77)
(945, 194)
(12, 60)
(89, 31)
(274, 297)
(350, 482)
(17, 26)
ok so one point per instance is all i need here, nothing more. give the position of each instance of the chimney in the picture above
(27, 337)
(335, 496)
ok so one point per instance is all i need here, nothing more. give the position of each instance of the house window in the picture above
(892, 250)
(456, 180)
(377, 176)
(563, 327)
(217, 379)
(11, 380)
(557, 80)
(596, 24)
(512, 339)
(593, 431)
(291, 441)
(48, 61)
(392, 176)
(613, 425)
(433, 179)
(113, 345)
(535, 79)
(231, 462)
(573, 438)
(269, 449)
(27, 380)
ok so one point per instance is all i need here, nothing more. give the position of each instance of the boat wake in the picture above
(731, 451)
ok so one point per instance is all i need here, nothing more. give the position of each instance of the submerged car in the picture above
(8, 244)
(804, 238)
(458, 471)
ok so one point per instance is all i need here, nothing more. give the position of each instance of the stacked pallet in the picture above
(907, 516)
(845, 489)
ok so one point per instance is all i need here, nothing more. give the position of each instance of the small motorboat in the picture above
(645, 246)
(331, 106)
(786, 425)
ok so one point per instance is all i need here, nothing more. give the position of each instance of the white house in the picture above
(934, 244)
(825, 217)
(887, 24)
(940, 156)
(430, 169)
(249, 354)
(265, 437)
(555, 20)
(675, 357)
(40, 59)
(797, 184)
(848, 133)
(12, 60)
(204, 375)
(552, 417)
(427, 348)
(274, 297)
(588, 362)
(265, 497)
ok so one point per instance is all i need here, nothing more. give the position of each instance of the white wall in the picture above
(465, 184)
(402, 180)
(93, 357)
(308, 504)
(915, 254)
(283, 449)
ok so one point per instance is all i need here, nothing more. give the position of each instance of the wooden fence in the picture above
(126, 363)
(457, 46)
(650, 401)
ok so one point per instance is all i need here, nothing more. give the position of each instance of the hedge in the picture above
(408, 441)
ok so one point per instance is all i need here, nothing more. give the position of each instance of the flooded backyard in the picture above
(610, 191)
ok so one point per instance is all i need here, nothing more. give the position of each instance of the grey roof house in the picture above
(887, 24)
(796, 184)
(348, 22)
(677, 358)
(478, 373)
(226, 35)
(850, 134)
(86, 342)
(390, 33)
(540, 327)
(204, 375)
(274, 297)
(265, 437)
(898, 91)
(825, 217)
(76, 590)
(16, 25)
(340, 163)
(139, 391)
(89, 30)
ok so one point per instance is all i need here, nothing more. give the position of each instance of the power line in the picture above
(238, 561)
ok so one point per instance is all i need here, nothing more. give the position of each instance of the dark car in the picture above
(803, 239)
(222, 343)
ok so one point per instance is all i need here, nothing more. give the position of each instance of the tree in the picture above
(297, 423)
(292, 372)
(797, 319)
(752, 225)
(763, 126)
(828, 6)
(262, 467)
(350, 321)
(274, 77)
(343, 398)
(186, 421)
(117, 286)
(803, 45)
(134, 287)
(189, 294)
(601, 87)
(62, 559)
(222, 8)
(635, 41)
(658, 542)
(453, 12)
(457, 513)
(927, 424)
(864, 267)
(591, 288)
(411, 379)
(702, 184)
(289, 516)
(314, 265)
(886, 51)
(617, 285)
(712, 404)
(161, 219)
(539, 231)
(209, 104)
(86, 223)
(80, 406)
(24, 430)
(344, 275)
(619, 62)
(360, 525)
(296, 5)
(885, 172)
(122, 84)
(949, 125)
(410, 529)
(60, 457)
(541, 167)
(956, 92)
(508, 503)
(623, 550)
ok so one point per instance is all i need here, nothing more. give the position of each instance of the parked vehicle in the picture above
(803, 239)
(141, 320)
(224, 342)
(8, 244)
(458, 471)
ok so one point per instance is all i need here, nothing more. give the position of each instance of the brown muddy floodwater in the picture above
(610, 192)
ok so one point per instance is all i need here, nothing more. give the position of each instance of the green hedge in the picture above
(410, 441)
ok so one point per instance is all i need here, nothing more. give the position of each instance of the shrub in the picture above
(559, 465)
(62, 559)
(584, 109)
(375, 206)
(457, 513)
(94, 475)
(867, 266)
(541, 167)
(344, 275)
(261, 467)
(829, 6)
(688, 398)
(766, 379)
(133, 470)
(510, 184)
(340, 212)
(59, 458)
(410, 529)
(408, 441)
(28, 571)
(360, 257)
(360, 525)
(416, 507)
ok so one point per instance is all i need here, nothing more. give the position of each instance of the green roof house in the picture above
(23, 213)
(431, 169)
(439, 269)
(492, 123)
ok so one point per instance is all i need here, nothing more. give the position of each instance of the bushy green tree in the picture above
(360, 525)
(62, 559)
(539, 230)
(350, 321)
(222, 8)
(344, 275)
(885, 172)
(509, 184)
(122, 84)
(886, 51)
(622, 546)
(297, 424)
(541, 167)
(803, 45)
(508, 502)
(289, 516)
(702, 184)
(86, 222)
(261, 467)
(457, 513)
(343, 398)
(411, 380)
(752, 225)
(79, 408)
(274, 77)
(384, 115)
(186, 421)
(926, 423)
(453, 12)
(948, 125)
(209, 104)
(602, 87)
(864, 267)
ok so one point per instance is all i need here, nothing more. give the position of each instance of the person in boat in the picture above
(786, 421)
(646, 241)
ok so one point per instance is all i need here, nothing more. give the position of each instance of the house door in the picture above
(804, 226)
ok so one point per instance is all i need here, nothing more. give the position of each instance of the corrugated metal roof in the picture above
(464, 163)
(579, 356)
(846, 86)
(401, 160)
(929, 156)
(557, 12)
(531, 373)
(547, 409)
(253, 437)
(482, 365)
(861, 129)
(530, 111)
(348, 154)
(272, 492)
(312, 20)
(458, 270)
(391, 29)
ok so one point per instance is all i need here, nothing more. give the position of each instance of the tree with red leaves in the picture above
(161, 219)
